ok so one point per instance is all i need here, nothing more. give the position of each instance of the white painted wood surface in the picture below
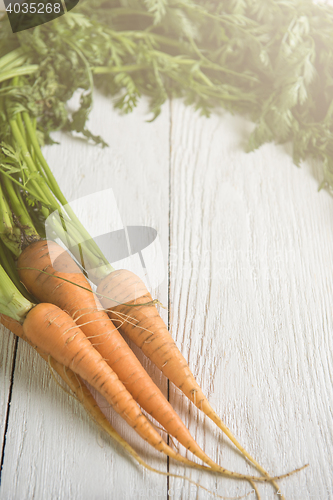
(248, 242)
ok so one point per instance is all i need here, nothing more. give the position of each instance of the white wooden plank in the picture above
(7, 345)
(52, 451)
(251, 288)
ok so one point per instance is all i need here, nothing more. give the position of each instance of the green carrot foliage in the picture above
(271, 61)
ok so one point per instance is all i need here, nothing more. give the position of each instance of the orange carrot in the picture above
(56, 334)
(121, 293)
(96, 325)
(35, 340)
(83, 395)
(45, 283)
(69, 290)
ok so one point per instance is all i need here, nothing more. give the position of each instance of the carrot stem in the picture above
(46, 191)
(46, 196)
(8, 231)
(9, 265)
(94, 254)
(12, 302)
(21, 126)
(19, 209)
(25, 70)
(12, 59)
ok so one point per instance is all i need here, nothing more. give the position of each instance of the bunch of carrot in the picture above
(57, 312)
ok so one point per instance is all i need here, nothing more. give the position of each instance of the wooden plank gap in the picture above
(8, 407)
(169, 269)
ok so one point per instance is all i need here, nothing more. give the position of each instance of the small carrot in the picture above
(53, 333)
(69, 289)
(96, 325)
(73, 295)
(84, 396)
(125, 295)
(56, 334)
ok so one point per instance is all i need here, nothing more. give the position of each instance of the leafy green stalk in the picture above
(129, 68)
(45, 196)
(73, 226)
(25, 70)
(25, 170)
(23, 221)
(12, 59)
(9, 265)
(9, 233)
(12, 302)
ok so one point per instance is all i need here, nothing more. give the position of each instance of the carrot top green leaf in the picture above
(271, 61)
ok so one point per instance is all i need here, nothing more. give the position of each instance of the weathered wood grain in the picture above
(251, 294)
(7, 353)
(52, 450)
